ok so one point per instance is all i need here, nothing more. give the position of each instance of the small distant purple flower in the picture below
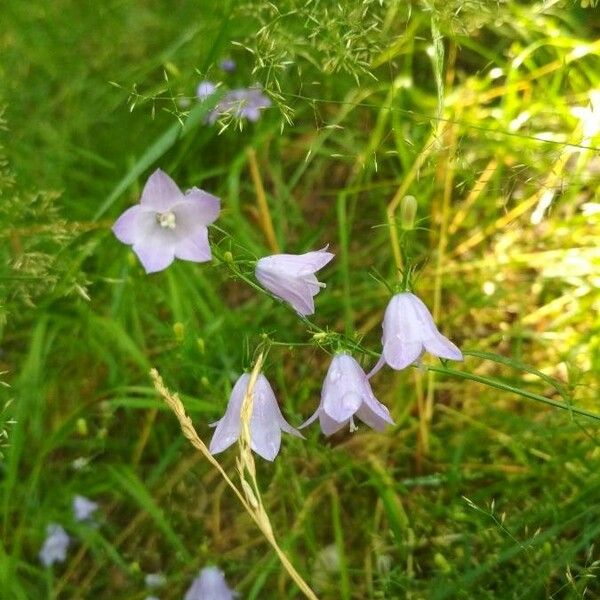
(210, 585)
(347, 392)
(409, 331)
(266, 422)
(55, 545)
(227, 65)
(291, 277)
(245, 103)
(205, 89)
(168, 224)
(83, 508)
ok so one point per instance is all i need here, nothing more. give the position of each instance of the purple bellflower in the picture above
(210, 585)
(168, 224)
(227, 65)
(291, 277)
(55, 545)
(266, 422)
(244, 103)
(347, 392)
(83, 508)
(205, 89)
(409, 331)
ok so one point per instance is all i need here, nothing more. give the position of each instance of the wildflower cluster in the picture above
(169, 224)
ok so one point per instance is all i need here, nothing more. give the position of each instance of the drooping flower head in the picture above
(83, 508)
(347, 393)
(205, 89)
(291, 277)
(210, 584)
(243, 103)
(55, 545)
(168, 224)
(266, 422)
(408, 331)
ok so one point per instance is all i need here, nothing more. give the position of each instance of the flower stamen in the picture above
(166, 220)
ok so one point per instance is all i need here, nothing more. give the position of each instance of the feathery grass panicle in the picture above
(250, 495)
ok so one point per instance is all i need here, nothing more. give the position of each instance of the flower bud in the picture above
(228, 257)
(408, 212)
(179, 331)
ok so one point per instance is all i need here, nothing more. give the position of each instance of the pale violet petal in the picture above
(341, 407)
(328, 425)
(312, 418)
(294, 291)
(198, 207)
(373, 419)
(126, 227)
(401, 353)
(196, 248)
(154, 257)
(160, 192)
(228, 427)
(378, 365)
(441, 346)
(210, 584)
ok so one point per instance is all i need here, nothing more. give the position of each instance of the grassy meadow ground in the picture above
(488, 486)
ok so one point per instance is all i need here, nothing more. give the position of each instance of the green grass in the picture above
(497, 495)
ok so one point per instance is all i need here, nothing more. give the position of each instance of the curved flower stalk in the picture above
(347, 392)
(266, 423)
(409, 331)
(168, 224)
(210, 585)
(291, 277)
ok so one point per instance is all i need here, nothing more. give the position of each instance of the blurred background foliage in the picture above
(488, 112)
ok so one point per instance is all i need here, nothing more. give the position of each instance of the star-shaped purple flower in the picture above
(168, 224)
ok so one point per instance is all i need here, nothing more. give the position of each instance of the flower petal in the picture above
(441, 346)
(160, 192)
(328, 425)
(154, 257)
(341, 407)
(287, 288)
(126, 227)
(373, 419)
(378, 365)
(196, 248)
(228, 427)
(198, 207)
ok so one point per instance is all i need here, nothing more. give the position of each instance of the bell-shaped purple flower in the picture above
(347, 392)
(228, 65)
(291, 277)
(408, 331)
(168, 224)
(266, 422)
(210, 585)
(55, 545)
(243, 103)
(83, 508)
